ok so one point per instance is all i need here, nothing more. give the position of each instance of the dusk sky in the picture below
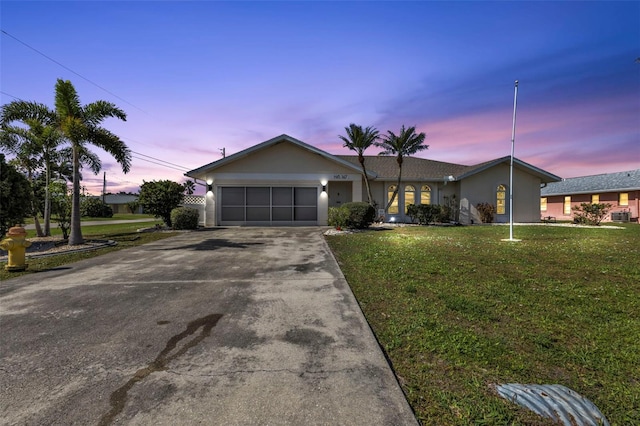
(198, 76)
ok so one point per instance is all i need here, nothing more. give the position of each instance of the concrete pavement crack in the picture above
(118, 398)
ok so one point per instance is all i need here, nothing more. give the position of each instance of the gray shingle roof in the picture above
(412, 168)
(421, 169)
(608, 182)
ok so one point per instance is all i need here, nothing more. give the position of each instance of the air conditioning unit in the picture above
(620, 216)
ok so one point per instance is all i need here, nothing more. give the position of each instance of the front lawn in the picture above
(457, 311)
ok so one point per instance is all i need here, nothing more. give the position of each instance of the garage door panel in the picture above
(305, 196)
(233, 196)
(258, 196)
(232, 214)
(282, 214)
(306, 213)
(282, 196)
(261, 214)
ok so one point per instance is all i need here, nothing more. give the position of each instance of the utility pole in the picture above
(222, 150)
(104, 187)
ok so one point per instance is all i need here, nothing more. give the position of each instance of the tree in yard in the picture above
(189, 187)
(591, 213)
(160, 197)
(79, 125)
(15, 196)
(33, 147)
(404, 144)
(359, 140)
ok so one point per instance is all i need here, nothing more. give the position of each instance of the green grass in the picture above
(458, 310)
(124, 234)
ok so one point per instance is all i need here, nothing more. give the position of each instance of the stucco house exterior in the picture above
(284, 181)
(621, 190)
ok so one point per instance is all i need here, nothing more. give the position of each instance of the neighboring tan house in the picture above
(119, 202)
(621, 190)
(284, 181)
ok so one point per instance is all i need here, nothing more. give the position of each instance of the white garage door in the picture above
(268, 205)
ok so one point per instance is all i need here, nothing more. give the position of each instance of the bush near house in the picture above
(486, 212)
(590, 213)
(338, 217)
(94, 207)
(425, 214)
(184, 218)
(361, 214)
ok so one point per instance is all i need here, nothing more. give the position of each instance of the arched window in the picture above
(409, 196)
(501, 193)
(425, 194)
(393, 208)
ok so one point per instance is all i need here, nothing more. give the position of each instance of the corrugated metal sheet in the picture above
(556, 402)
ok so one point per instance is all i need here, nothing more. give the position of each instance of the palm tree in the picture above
(359, 140)
(33, 146)
(81, 125)
(189, 187)
(406, 143)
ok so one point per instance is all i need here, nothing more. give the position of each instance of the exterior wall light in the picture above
(324, 182)
(324, 188)
(209, 187)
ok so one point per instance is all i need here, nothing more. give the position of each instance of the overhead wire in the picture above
(137, 155)
(70, 70)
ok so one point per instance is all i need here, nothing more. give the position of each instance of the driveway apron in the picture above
(227, 326)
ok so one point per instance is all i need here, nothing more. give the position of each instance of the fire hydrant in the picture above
(16, 244)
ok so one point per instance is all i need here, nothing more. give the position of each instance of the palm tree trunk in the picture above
(75, 237)
(47, 199)
(366, 181)
(395, 193)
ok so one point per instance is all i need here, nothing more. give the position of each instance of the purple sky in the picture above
(198, 76)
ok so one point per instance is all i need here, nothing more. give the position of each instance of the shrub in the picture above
(361, 214)
(338, 217)
(486, 212)
(94, 207)
(184, 218)
(590, 213)
(133, 206)
(424, 213)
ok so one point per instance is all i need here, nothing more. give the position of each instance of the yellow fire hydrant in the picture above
(16, 244)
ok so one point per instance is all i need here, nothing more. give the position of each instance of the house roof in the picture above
(384, 167)
(413, 168)
(278, 139)
(608, 182)
(421, 169)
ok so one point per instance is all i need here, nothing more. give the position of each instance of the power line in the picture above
(157, 159)
(11, 96)
(70, 70)
(159, 164)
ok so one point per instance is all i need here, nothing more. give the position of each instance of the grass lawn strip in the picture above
(457, 310)
(125, 235)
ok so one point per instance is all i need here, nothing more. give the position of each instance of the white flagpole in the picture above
(513, 140)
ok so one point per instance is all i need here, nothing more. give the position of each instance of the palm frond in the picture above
(96, 112)
(112, 144)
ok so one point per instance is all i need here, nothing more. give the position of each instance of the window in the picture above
(567, 205)
(543, 204)
(425, 194)
(501, 193)
(595, 198)
(409, 196)
(393, 208)
(623, 199)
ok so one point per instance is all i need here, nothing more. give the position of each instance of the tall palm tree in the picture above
(404, 144)
(359, 140)
(81, 125)
(33, 147)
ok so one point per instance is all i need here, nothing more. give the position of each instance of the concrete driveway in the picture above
(235, 326)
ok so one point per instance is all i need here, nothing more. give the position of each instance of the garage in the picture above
(268, 205)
